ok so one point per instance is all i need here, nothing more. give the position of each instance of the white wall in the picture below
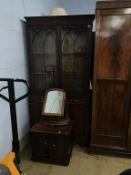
(79, 7)
(13, 60)
(39, 7)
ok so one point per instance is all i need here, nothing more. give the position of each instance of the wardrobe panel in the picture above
(111, 111)
(114, 46)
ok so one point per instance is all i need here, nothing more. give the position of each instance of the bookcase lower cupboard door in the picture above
(111, 124)
(59, 52)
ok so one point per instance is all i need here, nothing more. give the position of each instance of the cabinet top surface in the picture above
(43, 128)
(60, 20)
(60, 17)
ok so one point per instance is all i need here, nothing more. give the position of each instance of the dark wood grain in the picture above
(52, 144)
(109, 4)
(129, 135)
(112, 79)
(76, 81)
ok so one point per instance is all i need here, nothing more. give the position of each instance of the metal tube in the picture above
(15, 142)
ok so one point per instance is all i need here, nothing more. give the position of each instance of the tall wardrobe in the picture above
(111, 118)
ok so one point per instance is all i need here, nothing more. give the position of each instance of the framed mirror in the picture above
(54, 103)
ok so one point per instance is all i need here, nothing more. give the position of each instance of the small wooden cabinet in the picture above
(51, 143)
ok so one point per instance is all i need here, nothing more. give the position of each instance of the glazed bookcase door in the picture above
(75, 65)
(44, 58)
(76, 75)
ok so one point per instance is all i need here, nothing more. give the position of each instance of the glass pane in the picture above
(74, 59)
(44, 58)
(54, 103)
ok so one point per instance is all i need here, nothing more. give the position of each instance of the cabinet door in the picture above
(43, 58)
(111, 94)
(59, 146)
(40, 145)
(75, 58)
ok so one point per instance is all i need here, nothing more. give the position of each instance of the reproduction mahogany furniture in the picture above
(51, 143)
(111, 120)
(59, 52)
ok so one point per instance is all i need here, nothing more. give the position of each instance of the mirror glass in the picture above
(54, 103)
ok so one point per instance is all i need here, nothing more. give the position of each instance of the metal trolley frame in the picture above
(12, 103)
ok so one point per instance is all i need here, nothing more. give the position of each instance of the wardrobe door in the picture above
(111, 92)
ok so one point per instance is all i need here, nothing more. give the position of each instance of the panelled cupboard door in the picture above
(111, 79)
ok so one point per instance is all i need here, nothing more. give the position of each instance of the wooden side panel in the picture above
(129, 135)
(78, 111)
(35, 107)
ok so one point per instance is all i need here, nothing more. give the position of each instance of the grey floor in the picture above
(80, 164)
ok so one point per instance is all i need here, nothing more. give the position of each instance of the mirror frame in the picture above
(45, 99)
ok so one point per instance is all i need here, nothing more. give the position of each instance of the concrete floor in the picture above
(80, 164)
